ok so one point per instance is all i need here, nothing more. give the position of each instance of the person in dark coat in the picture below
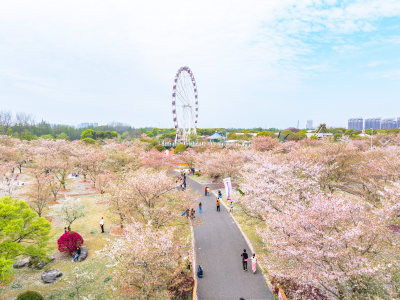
(245, 257)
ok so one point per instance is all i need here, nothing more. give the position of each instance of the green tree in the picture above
(267, 133)
(100, 134)
(88, 133)
(180, 148)
(47, 137)
(62, 136)
(337, 136)
(22, 232)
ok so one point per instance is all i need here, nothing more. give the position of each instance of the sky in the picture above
(264, 63)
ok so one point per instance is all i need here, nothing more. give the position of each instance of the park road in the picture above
(219, 243)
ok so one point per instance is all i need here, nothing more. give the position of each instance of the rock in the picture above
(51, 276)
(22, 263)
(84, 254)
(40, 265)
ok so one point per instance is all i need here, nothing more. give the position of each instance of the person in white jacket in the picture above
(102, 225)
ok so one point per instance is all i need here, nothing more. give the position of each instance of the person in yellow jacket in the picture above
(218, 204)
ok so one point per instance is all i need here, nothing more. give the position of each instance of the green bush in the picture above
(197, 173)
(30, 295)
(89, 141)
(160, 148)
(180, 148)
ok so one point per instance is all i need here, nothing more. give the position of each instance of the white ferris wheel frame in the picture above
(185, 105)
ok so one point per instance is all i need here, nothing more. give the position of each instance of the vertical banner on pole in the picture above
(228, 188)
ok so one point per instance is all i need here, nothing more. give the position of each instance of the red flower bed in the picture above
(69, 242)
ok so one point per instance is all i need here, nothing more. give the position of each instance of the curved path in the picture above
(219, 243)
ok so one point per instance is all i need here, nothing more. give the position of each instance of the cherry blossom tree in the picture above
(223, 163)
(149, 196)
(39, 193)
(335, 239)
(264, 143)
(148, 260)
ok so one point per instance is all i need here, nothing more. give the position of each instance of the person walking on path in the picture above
(254, 263)
(206, 191)
(218, 204)
(245, 257)
(219, 194)
(200, 208)
(231, 207)
(102, 225)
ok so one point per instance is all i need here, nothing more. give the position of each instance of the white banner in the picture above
(228, 188)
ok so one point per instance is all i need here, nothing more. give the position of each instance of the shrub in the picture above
(69, 242)
(180, 148)
(30, 295)
(160, 148)
(89, 140)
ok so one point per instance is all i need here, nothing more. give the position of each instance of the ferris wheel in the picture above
(185, 105)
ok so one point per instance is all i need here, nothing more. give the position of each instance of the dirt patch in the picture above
(50, 219)
(101, 202)
(91, 189)
(65, 191)
(117, 231)
(81, 194)
(85, 182)
(54, 202)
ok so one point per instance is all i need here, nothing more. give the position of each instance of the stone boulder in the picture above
(41, 264)
(22, 263)
(51, 276)
(84, 254)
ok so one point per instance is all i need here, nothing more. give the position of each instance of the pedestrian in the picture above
(200, 208)
(65, 229)
(78, 253)
(254, 263)
(192, 213)
(245, 257)
(231, 209)
(205, 191)
(102, 225)
(218, 204)
(219, 194)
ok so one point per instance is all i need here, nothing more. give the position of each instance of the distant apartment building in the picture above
(374, 123)
(309, 124)
(389, 123)
(398, 122)
(86, 125)
(355, 124)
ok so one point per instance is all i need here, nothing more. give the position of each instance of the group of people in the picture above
(245, 258)
(182, 181)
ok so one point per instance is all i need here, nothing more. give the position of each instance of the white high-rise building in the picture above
(309, 124)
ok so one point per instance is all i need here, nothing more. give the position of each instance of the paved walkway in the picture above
(219, 244)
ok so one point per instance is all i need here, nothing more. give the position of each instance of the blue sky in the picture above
(256, 63)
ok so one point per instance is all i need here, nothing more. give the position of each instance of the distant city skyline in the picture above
(373, 123)
(262, 64)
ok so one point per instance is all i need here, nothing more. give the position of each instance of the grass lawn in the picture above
(96, 265)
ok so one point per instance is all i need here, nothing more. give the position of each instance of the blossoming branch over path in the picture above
(219, 243)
